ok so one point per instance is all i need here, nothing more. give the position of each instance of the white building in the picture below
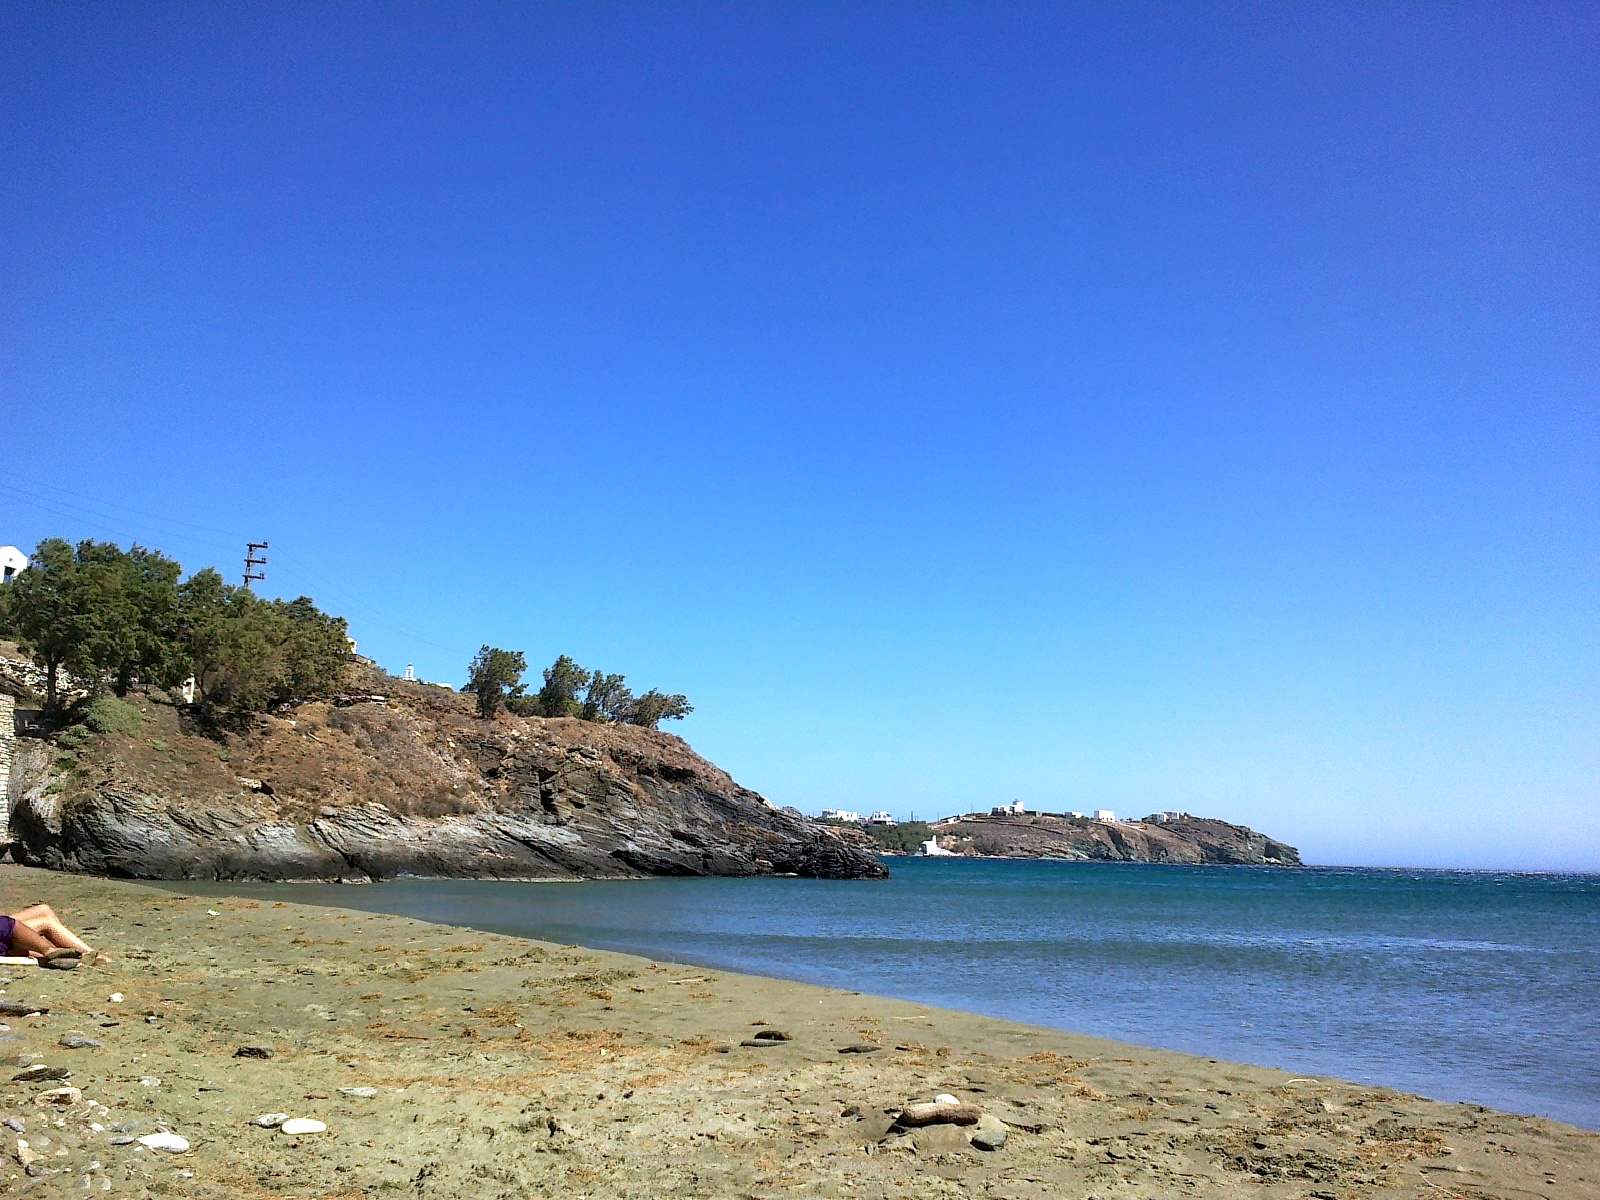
(12, 561)
(932, 849)
(881, 818)
(840, 814)
(1164, 818)
(1106, 815)
(1008, 810)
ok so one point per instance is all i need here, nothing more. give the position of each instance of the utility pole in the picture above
(251, 562)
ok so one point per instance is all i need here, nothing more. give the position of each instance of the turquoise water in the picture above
(1460, 985)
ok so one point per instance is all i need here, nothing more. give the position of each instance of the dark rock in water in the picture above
(418, 785)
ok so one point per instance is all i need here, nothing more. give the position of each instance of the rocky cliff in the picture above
(409, 782)
(1185, 840)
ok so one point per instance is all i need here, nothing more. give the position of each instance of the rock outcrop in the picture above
(1182, 840)
(411, 782)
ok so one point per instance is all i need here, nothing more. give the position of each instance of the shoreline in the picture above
(503, 1066)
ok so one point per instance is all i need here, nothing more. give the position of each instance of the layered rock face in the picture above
(1187, 840)
(412, 783)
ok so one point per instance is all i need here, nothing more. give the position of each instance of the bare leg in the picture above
(41, 919)
(24, 940)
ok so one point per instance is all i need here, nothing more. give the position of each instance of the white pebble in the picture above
(361, 1093)
(302, 1125)
(170, 1142)
(945, 1098)
(149, 1081)
(269, 1120)
(115, 998)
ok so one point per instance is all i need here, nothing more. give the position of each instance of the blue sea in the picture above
(1460, 985)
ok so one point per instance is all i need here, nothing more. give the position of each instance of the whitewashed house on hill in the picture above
(12, 561)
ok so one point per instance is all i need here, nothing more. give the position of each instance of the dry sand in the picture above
(504, 1067)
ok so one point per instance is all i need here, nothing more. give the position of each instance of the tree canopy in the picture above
(116, 618)
(573, 691)
(495, 676)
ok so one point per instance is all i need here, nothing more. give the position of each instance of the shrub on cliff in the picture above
(107, 714)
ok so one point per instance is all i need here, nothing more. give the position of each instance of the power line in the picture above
(114, 518)
(39, 485)
(95, 517)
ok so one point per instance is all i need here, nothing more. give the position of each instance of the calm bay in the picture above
(1473, 986)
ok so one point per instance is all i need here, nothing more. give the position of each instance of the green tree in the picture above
(608, 698)
(563, 680)
(494, 675)
(317, 648)
(140, 591)
(49, 613)
(248, 653)
(652, 708)
(107, 615)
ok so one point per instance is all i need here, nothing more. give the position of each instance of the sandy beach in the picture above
(450, 1063)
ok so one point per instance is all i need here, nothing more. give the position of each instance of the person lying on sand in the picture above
(39, 933)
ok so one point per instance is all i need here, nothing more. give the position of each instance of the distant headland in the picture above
(1011, 831)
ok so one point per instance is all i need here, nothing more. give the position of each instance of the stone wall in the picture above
(8, 754)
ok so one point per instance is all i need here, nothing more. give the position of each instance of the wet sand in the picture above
(451, 1063)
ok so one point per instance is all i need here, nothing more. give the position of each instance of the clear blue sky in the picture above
(1137, 406)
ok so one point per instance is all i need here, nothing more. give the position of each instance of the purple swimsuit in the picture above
(7, 924)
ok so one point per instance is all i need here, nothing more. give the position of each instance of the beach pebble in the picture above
(170, 1142)
(360, 1093)
(989, 1133)
(39, 1073)
(149, 1081)
(61, 1097)
(758, 1043)
(297, 1125)
(859, 1048)
(75, 1042)
(115, 998)
(15, 1124)
(945, 1098)
(253, 1052)
(269, 1120)
(772, 1035)
(122, 1139)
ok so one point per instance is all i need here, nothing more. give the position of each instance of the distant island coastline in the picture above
(1009, 831)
